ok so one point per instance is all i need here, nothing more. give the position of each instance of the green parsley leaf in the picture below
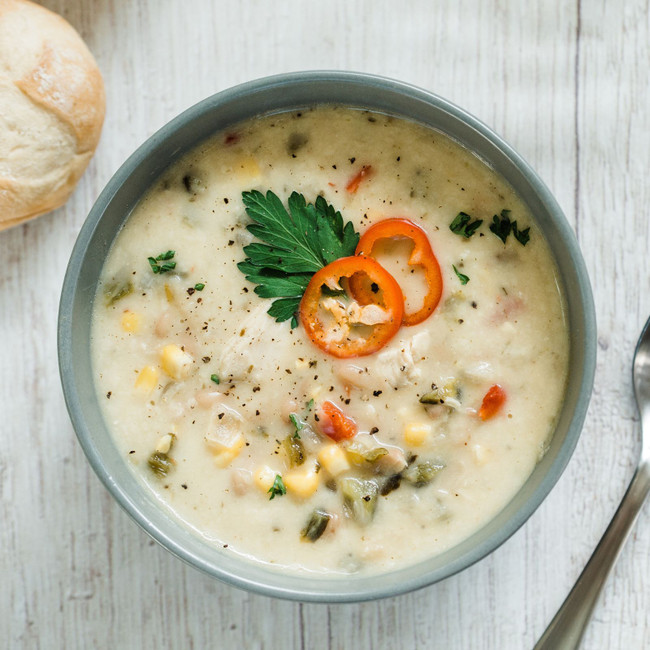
(464, 279)
(163, 257)
(199, 286)
(277, 489)
(464, 226)
(522, 236)
(215, 379)
(501, 227)
(169, 255)
(298, 424)
(310, 404)
(295, 243)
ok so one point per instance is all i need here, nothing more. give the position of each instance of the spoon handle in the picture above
(566, 629)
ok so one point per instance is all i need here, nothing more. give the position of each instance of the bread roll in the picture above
(52, 107)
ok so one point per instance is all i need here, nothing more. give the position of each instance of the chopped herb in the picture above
(522, 236)
(464, 279)
(163, 257)
(334, 293)
(296, 243)
(464, 226)
(503, 226)
(310, 404)
(199, 286)
(215, 379)
(277, 489)
(297, 423)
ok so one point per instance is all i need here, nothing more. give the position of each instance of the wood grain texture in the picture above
(566, 83)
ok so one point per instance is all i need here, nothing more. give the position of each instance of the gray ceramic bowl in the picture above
(276, 94)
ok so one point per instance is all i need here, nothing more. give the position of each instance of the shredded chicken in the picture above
(399, 364)
(255, 351)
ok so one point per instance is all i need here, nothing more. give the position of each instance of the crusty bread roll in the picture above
(52, 107)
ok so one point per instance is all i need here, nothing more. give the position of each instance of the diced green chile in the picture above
(160, 463)
(115, 289)
(369, 454)
(360, 498)
(295, 450)
(316, 525)
(438, 395)
(423, 473)
(373, 455)
(432, 397)
(390, 484)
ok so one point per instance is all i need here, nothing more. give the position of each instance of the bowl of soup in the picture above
(325, 336)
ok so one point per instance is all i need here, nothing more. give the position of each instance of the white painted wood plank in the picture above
(567, 85)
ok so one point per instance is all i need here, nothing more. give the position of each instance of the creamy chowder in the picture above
(286, 452)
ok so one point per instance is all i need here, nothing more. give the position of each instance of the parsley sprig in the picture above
(163, 257)
(295, 243)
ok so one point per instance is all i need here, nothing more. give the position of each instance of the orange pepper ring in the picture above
(421, 255)
(346, 267)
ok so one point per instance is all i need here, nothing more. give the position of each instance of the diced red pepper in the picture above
(333, 423)
(492, 402)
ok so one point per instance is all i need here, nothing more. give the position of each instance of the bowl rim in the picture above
(375, 586)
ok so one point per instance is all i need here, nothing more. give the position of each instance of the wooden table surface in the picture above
(567, 84)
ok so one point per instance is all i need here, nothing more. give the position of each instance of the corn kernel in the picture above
(301, 482)
(333, 459)
(228, 454)
(147, 379)
(416, 434)
(130, 321)
(176, 362)
(264, 477)
(226, 441)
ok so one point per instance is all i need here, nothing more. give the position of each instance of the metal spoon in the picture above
(566, 629)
